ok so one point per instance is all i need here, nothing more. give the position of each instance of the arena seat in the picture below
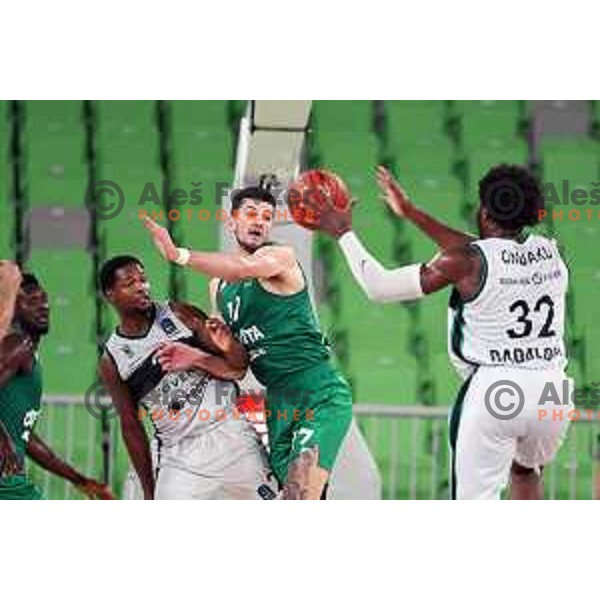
(488, 123)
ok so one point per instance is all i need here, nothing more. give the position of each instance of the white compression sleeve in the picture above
(379, 283)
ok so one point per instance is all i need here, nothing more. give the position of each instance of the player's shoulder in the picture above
(186, 311)
(280, 252)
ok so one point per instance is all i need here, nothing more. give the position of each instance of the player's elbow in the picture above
(376, 290)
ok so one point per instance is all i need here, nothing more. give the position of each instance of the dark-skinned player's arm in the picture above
(224, 357)
(213, 287)
(459, 266)
(132, 428)
(16, 354)
(265, 263)
(41, 454)
(401, 205)
(10, 280)
(10, 462)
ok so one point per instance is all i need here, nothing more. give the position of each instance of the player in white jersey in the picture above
(506, 326)
(205, 449)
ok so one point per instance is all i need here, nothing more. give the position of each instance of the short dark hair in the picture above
(29, 280)
(512, 196)
(110, 267)
(260, 192)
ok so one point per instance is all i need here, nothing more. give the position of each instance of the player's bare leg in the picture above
(526, 484)
(305, 480)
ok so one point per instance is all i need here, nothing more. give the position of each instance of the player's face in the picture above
(130, 290)
(252, 224)
(33, 309)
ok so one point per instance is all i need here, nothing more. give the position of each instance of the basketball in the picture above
(311, 192)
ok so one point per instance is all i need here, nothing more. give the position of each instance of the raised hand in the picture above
(393, 194)
(10, 277)
(10, 463)
(162, 239)
(175, 356)
(220, 334)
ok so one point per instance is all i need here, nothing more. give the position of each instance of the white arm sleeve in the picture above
(379, 283)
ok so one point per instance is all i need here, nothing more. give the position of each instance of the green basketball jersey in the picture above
(281, 333)
(20, 402)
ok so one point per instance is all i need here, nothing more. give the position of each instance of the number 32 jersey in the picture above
(516, 319)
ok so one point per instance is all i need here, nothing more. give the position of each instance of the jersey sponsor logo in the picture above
(520, 356)
(527, 257)
(251, 335)
(265, 492)
(536, 279)
(29, 420)
(168, 326)
(127, 351)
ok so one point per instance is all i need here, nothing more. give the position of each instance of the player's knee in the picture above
(297, 485)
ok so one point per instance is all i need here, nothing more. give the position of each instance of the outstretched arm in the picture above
(266, 262)
(40, 453)
(458, 266)
(400, 204)
(131, 426)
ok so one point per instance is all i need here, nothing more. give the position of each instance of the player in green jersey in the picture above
(20, 400)
(261, 293)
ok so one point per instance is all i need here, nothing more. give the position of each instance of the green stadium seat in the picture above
(343, 116)
(56, 171)
(488, 123)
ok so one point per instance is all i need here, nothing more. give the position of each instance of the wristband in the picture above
(183, 256)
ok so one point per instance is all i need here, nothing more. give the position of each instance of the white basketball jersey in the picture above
(181, 403)
(517, 318)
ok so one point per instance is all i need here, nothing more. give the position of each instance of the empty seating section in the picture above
(381, 363)
(202, 157)
(128, 155)
(424, 157)
(56, 178)
(569, 165)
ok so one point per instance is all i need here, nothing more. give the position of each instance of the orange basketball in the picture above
(311, 192)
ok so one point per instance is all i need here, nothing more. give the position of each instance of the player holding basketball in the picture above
(506, 325)
(180, 365)
(20, 401)
(261, 293)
